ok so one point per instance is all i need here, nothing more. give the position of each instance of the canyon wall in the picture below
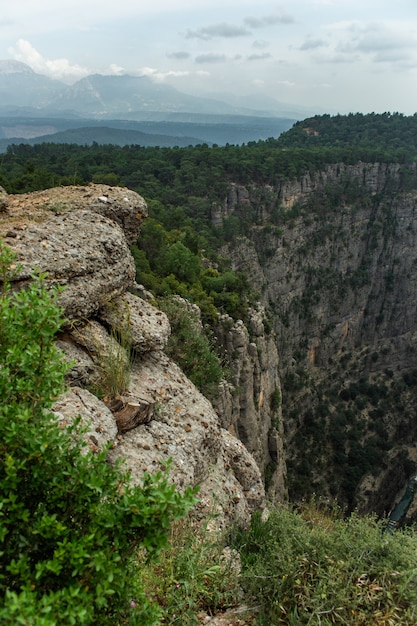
(334, 256)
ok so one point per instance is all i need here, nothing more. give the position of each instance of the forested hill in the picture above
(388, 131)
(174, 174)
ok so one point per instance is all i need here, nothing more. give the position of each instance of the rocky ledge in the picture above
(79, 238)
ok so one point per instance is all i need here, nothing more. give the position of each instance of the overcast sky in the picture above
(333, 55)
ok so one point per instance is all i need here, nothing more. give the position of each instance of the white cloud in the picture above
(311, 44)
(260, 44)
(159, 75)
(353, 41)
(211, 57)
(280, 17)
(286, 83)
(259, 57)
(181, 55)
(115, 70)
(60, 69)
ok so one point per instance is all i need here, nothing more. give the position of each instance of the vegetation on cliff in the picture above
(69, 522)
(314, 566)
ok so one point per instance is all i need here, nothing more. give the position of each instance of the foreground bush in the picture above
(316, 568)
(69, 523)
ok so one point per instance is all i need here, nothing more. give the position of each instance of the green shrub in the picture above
(193, 575)
(275, 400)
(190, 347)
(315, 567)
(69, 522)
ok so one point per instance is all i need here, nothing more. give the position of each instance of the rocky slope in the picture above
(79, 237)
(334, 257)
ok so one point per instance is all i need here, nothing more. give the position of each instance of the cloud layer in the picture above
(334, 54)
(60, 69)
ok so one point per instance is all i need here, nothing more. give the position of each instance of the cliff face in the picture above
(250, 405)
(334, 257)
(79, 237)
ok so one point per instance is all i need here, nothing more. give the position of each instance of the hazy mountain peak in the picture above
(115, 96)
(14, 67)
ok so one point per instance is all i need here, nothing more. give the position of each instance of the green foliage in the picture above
(180, 261)
(275, 401)
(193, 575)
(316, 567)
(190, 347)
(69, 522)
(387, 132)
(170, 262)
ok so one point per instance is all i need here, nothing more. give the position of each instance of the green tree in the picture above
(180, 261)
(69, 522)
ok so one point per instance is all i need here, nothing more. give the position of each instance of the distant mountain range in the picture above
(34, 107)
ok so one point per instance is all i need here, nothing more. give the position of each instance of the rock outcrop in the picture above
(66, 234)
(250, 405)
(78, 238)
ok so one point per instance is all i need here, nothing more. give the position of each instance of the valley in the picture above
(311, 248)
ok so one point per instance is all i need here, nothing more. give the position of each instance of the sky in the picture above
(334, 56)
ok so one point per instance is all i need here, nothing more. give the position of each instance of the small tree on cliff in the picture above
(69, 522)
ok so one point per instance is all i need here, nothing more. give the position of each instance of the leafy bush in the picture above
(69, 522)
(275, 400)
(315, 567)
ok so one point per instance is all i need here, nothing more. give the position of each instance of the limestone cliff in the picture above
(79, 237)
(334, 257)
(249, 406)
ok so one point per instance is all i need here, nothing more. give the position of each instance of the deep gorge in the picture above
(301, 258)
(334, 256)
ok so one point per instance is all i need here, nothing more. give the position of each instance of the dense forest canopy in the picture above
(390, 131)
(181, 185)
(172, 175)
